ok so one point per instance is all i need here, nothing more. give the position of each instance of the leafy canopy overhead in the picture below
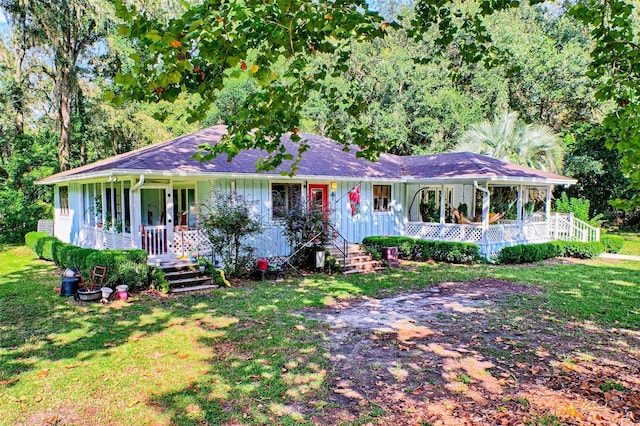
(274, 41)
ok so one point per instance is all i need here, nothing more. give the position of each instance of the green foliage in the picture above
(423, 250)
(228, 220)
(276, 60)
(597, 168)
(582, 250)
(159, 281)
(526, 253)
(578, 206)
(307, 230)
(615, 63)
(123, 266)
(31, 238)
(612, 243)
(22, 202)
(45, 247)
(508, 139)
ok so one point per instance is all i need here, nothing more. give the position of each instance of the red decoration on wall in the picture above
(354, 200)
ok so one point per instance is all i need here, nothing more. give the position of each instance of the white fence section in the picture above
(186, 242)
(498, 236)
(154, 240)
(100, 239)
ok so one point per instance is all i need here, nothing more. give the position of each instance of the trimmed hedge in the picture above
(123, 266)
(612, 243)
(526, 253)
(32, 238)
(423, 250)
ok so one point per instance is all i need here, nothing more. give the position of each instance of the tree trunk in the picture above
(64, 115)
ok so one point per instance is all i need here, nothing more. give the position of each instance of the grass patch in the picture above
(631, 244)
(240, 356)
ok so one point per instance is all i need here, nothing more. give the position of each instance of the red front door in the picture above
(318, 196)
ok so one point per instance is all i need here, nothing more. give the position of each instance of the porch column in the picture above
(519, 204)
(486, 202)
(442, 209)
(136, 212)
(547, 207)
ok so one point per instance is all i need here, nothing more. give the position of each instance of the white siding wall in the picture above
(271, 241)
(354, 228)
(67, 227)
(367, 222)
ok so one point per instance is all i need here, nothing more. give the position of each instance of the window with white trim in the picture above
(381, 198)
(284, 197)
(63, 196)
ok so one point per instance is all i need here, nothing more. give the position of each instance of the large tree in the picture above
(67, 28)
(507, 138)
(217, 39)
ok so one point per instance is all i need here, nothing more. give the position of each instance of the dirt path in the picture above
(469, 354)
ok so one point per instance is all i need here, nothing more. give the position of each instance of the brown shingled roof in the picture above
(324, 158)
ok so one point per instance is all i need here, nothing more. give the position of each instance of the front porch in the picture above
(507, 233)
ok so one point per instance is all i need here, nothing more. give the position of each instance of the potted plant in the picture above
(91, 290)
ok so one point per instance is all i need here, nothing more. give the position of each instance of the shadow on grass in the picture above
(265, 361)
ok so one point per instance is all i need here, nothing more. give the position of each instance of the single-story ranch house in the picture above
(149, 198)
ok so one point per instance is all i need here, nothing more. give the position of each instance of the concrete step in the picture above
(194, 288)
(364, 271)
(189, 282)
(361, 264)
(177, 275)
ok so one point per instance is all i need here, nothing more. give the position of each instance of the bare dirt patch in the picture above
(478, 352)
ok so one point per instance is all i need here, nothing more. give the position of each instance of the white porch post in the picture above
(136, 212)
(169, 217)
(547, 207)
(519, 214)
(442, 198)
(486, 202)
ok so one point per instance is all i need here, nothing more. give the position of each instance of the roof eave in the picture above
(501, 179)
(53, 180)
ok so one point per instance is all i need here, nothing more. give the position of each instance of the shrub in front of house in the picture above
(32, 238)
(582, 250)
(527, 253)
(123, 266)
(423, 250)
(612, 243)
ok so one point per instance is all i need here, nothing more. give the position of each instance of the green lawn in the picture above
(631, 244)
(235, 356)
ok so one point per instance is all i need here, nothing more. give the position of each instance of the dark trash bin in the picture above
(390, 255)
(69, 286)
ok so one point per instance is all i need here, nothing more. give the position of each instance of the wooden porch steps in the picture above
(358, 261)
(184, 276)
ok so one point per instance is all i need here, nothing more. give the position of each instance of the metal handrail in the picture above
(345, 244)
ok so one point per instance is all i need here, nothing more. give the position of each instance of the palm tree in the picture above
(508, 139)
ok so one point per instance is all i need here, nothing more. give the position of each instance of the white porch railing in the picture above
(154, 240)
(557, 227)
(567, 227)
(100, 239)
